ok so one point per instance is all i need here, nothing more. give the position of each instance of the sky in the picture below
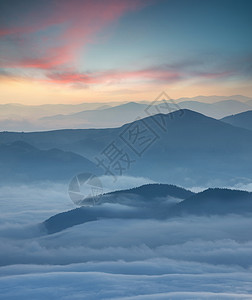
(59, 51)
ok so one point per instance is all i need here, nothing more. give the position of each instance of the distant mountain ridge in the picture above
(102, 118)
(216, 110)
(125, 113)
(17, 117)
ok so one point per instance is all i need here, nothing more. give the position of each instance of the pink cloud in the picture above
(155, 74)
(79, 21)
(108, 77)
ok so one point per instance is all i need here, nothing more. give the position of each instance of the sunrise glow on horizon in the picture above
(95, 51)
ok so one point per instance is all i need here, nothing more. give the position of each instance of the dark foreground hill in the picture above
(216, 201)
(162, 201)
(141, 202)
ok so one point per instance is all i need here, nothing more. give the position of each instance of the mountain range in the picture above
(184, 148)
(129, 112)
(155, 201)
(17, 117)
(103, 118)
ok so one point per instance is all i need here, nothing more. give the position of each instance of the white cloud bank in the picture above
(180, 258)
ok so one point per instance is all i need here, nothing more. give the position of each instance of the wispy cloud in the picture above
(113, 76)
(76, 23)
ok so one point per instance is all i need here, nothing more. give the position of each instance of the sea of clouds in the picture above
(178, 258)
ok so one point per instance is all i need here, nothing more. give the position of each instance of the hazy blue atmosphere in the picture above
(125, 149)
